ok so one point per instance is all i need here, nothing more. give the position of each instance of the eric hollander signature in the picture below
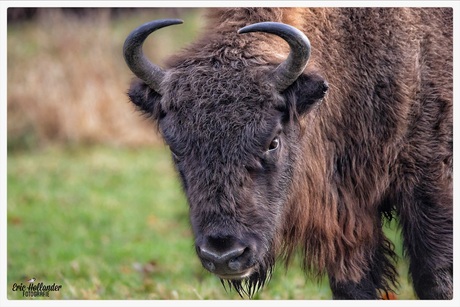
(39, 289)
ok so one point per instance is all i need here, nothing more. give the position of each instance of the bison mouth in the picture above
(241, 263)
(249, 283)
(239, 276)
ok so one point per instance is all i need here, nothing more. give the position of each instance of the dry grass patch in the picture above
(67, 79)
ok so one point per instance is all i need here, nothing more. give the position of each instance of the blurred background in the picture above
(94, 203)
(67, 79)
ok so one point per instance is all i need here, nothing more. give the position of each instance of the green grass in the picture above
(112, 223)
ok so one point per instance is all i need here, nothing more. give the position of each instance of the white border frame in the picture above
(268, 3)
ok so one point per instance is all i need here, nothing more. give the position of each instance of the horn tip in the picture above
(178, 21)
(258, 27)
(245, 29)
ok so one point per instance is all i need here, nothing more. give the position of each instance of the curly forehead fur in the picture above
(218, 71)
(218, 83)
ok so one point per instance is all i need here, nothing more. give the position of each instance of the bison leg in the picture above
(378, 279)
(426, 220)
(348, 290)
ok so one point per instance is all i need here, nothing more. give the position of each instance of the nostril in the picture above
(210, 266)
(236, 262)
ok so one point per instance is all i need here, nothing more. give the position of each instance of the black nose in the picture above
(225, 256)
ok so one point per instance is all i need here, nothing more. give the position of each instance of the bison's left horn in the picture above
(288, 71)
(150, 73)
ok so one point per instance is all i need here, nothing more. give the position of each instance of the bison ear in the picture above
(306, 92)
(146, 99)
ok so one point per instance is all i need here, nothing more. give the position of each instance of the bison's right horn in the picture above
(288, 71)
(150, 73)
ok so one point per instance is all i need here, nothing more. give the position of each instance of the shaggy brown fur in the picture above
(380, 143)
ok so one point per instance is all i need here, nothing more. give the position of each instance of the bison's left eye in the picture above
(274, 144)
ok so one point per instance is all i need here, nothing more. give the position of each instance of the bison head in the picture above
(232, 122)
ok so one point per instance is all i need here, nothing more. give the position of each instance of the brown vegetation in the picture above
(67, 79)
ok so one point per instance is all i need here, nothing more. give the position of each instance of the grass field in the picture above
(112, 223)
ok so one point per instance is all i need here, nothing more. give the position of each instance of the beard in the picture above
(249, 286)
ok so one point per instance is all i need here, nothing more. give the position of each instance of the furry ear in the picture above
(146, 99)
(306, 92)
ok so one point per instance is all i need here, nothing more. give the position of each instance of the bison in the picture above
(276, 155)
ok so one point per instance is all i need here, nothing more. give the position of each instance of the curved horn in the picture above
(150, 73)
(288, 71)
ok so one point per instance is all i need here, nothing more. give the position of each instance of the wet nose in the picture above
(224, 255)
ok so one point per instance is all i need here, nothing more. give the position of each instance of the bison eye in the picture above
(274, 144)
